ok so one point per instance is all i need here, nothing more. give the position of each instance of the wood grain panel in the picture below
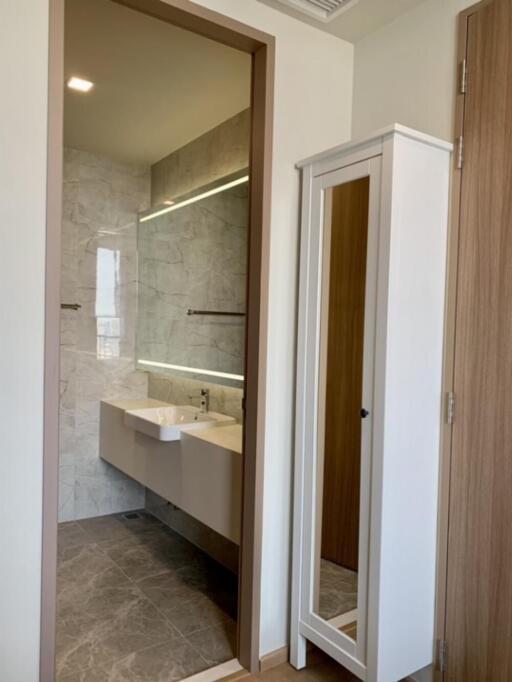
(342, 460)
(479, 585)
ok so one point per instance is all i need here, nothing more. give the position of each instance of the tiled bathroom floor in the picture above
(138, 603)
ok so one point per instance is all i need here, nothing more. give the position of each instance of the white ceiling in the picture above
(157, 87)
(363, 18)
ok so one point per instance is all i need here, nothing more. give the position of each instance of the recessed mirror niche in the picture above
(192, 269)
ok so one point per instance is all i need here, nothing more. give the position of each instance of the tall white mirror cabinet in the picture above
(369, 402)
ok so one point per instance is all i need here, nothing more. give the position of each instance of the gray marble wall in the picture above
(219, 152)
(195, 257)
(99, 271)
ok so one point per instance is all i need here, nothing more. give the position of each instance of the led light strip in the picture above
(192, 370)
(192, 200)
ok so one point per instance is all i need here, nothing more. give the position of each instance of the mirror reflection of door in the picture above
(343, 348)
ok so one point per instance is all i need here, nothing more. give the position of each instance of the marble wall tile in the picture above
(101, 200)
(219, 152)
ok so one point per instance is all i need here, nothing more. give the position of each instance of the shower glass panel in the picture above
(341, 409)
(192, 270)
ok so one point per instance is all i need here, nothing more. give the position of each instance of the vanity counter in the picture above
(201, 472)
(227, 437)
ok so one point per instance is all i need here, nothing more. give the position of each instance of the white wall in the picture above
(23, 122)
(405, 72)
(312, 111)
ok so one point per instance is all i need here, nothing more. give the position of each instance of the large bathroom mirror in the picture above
(192, 273)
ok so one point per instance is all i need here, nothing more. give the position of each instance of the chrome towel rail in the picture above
(191, 311)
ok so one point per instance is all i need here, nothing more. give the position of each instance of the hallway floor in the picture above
(320, 668)
(137, 602)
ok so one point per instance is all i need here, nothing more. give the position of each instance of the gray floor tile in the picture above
(121, 585)
(72, 534)
(142, 522)
(215, 644)
(196, 614)
(91, 675)
(167, 662)
(149, 554)
(96, 602)
(86, 567)
(170, 588)
(85, 642)
(105, 528)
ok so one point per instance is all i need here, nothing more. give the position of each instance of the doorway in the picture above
(260, 46)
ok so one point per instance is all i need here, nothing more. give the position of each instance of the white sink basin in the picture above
(166, 423)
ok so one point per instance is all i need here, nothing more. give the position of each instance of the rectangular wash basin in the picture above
(166, 423)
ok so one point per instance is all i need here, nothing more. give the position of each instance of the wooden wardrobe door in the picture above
(479, 587)
(344, 384)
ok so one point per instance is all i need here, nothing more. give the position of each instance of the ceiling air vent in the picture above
(325, 10)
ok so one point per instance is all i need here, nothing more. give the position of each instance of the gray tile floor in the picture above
(138, 603)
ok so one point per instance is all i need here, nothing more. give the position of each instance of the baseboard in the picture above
(224, 672)
(242, 675)
(274, 658)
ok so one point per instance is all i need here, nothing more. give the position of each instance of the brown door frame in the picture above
(449, 343)
(261, 46)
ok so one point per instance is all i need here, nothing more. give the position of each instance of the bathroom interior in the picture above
(153, 288)
(157, 126)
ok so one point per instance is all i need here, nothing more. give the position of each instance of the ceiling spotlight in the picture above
(168, 202)
(79, 84)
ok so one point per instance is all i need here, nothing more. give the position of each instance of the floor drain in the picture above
(131, 516)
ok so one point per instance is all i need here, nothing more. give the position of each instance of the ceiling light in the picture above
(79, 84)
(169, 202)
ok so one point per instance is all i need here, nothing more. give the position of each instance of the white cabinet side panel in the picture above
(411, 439)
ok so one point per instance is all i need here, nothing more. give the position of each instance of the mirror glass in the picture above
(192, 267)
(340, 404)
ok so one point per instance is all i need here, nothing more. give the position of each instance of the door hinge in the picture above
(463, 82)
(460, 152)
(450, 407)
(441, 656)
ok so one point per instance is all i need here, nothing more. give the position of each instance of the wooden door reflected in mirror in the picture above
(341, 402)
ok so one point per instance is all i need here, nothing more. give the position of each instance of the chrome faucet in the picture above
(204, 404)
